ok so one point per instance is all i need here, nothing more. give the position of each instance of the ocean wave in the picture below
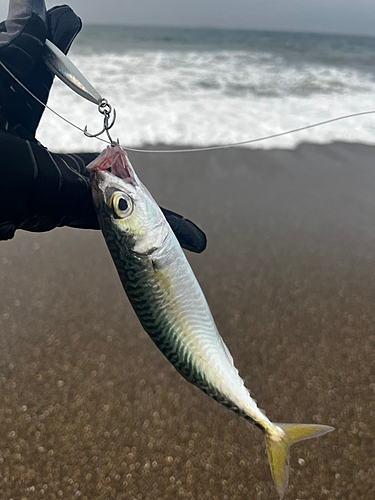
(211, 96)
(228, 73)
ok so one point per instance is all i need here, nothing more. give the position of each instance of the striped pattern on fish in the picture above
(156, 288)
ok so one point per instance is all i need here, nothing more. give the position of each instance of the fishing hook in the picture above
(105, 109)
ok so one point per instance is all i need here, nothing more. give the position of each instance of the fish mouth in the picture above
(113, 160)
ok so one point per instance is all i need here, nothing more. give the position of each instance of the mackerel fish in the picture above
(170, 304)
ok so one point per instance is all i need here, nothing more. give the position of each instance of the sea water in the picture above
(210, 86)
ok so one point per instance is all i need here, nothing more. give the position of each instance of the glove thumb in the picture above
(63, 25)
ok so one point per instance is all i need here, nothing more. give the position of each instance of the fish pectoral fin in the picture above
(278, 451)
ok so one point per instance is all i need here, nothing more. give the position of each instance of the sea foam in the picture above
(211, 96)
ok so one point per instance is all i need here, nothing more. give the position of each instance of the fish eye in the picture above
(122, 205)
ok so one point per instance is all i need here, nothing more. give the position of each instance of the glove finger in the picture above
(188, 234)
(21, 51)
(63, 26)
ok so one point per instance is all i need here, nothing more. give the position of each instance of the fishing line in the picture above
(194, 150)
(250, 141)
(45, 105)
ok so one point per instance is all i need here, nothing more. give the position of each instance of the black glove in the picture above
(22, 38)
(40, 190)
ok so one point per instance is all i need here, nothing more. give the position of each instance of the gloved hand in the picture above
(22, 38)
(40, 190)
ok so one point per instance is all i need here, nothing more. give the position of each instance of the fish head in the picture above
(124, 206)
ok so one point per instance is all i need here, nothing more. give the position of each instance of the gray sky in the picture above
(332, 16)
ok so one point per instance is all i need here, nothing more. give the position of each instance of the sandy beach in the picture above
(90, 409)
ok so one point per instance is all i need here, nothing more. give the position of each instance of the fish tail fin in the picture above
(278, 450)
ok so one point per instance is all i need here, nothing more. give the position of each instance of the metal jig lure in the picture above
(61, 66)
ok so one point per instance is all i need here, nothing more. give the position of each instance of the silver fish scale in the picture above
(173, 314)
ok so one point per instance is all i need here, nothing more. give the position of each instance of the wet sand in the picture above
(90, 409)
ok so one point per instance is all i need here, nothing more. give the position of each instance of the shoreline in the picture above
(161, 146)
